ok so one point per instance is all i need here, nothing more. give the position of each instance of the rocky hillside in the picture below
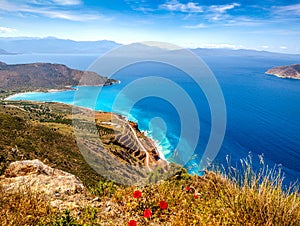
(291, 71)
(45, 76)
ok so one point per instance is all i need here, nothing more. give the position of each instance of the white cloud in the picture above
(55, 2)
(220, 11)
(50, 12)
(245, 21)
(189, 7)
(195, 26)
(7, 30)
(68, 2)
(224, 8)
(68, 15)
(291, 9)
(283, 47)
(221, 46)
(265, 47)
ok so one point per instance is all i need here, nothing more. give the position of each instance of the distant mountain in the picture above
(54, 45)
(239, 52)
(291, 71)
(46, 76)
(4, 52)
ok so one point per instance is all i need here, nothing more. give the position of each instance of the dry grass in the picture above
(23, 208)
(218, 201)
(209, 200)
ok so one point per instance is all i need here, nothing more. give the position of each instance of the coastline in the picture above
(159, 147)
(53, 90)
(146, 133)
(284, 77)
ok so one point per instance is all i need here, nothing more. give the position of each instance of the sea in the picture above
(263, 111)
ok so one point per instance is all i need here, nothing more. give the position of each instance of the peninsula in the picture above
(45, 76)
(291, 71)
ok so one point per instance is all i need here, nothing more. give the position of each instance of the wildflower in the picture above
(188, 188)
(137, 194)
(195, 196)
(147, 213)
(163, 205)
(132, 223)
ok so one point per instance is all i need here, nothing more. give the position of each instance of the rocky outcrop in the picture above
(292, 71)
(42, 178)
(63, 189)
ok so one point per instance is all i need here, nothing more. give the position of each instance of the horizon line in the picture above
(144, 42)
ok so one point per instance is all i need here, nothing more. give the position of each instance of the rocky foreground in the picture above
(63, 189)
(291, 71)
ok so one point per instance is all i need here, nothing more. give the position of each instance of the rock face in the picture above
(292, 71)
(46, 75)
(42, 178)
(63, 189)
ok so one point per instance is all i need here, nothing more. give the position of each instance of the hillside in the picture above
(30, 131)
(44, 131)
(21, 77)
(291, 71)
(47, 131)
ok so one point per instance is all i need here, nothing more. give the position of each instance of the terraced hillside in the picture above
(122, 149)
(127, 135)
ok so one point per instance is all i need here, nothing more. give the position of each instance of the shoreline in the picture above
(158, 147)
(284, 77)
(53, 90)
(156, 144)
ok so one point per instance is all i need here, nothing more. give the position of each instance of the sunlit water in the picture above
(263, 111)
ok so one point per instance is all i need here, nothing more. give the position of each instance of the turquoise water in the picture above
(263, 111)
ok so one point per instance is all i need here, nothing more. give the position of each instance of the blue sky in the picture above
(252, 24)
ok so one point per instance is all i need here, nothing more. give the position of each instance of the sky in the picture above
(271, 25)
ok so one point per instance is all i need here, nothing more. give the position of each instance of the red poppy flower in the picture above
(163, 205)
(132, 223)
(137, 194)
(195, 196)
(147, 213)
(188, 188)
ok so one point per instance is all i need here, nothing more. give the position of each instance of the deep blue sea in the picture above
(263, 111)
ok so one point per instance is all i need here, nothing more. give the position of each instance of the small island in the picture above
(291, 71)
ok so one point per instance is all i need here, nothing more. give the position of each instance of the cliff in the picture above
(46, 76)
(291, 71)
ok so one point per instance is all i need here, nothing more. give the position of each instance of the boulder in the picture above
(64, 190)
(42, 178)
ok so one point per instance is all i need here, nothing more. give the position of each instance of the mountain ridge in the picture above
(18, 77)
(52, 45)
